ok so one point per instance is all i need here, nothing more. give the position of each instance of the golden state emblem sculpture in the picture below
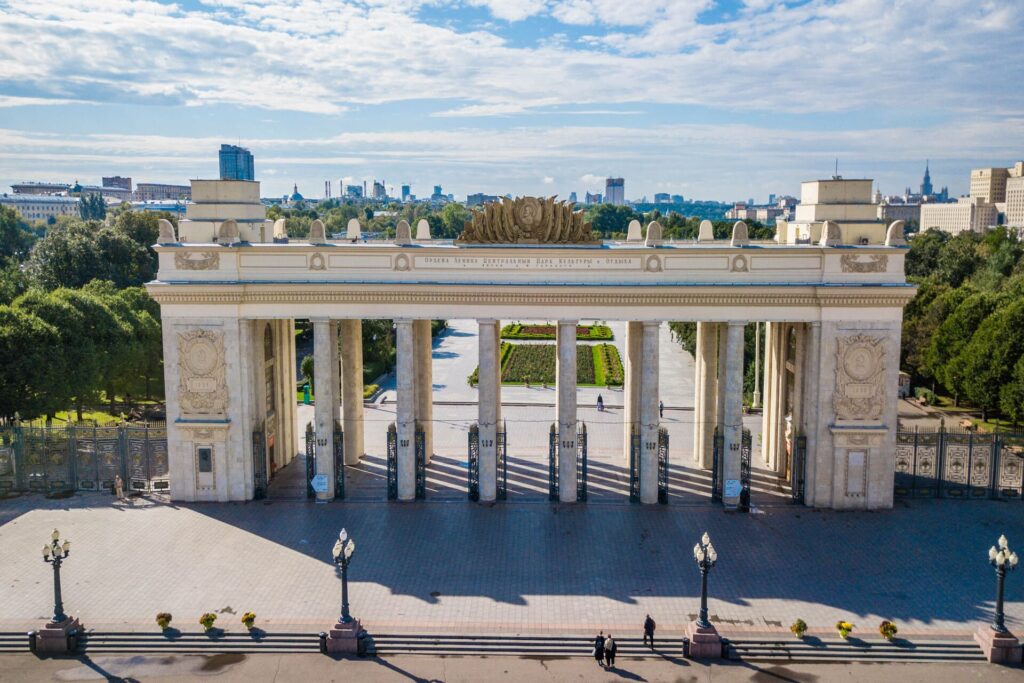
(527, 220)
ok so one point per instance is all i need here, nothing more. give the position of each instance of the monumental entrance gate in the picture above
(231, 286)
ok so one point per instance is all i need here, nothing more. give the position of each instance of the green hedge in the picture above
(545, 331)
(596, 365)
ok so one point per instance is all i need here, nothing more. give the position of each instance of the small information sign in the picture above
(732, 488)
(320, 483)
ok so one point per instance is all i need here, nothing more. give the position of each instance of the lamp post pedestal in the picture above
(58, 638)
(343, 638)
(999, 648)
(705, 643)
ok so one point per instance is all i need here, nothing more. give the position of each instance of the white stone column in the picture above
(292, 442)
(487, 407)
(720, 382)
(566, 409)
(424, 383)
(632, 372)
(812, 364)
(732, 419)
(706, 403)
(405, 373)
(352, 387)
(768, 404)
(649, 415)
(325, 380)
(799, 351)
(497, 374)
(781, 391)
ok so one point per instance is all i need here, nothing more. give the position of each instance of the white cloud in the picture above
(511, 10)
(548, 180)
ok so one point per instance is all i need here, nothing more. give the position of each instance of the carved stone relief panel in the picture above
(853, 263)
(196, 260)
(860, 378)
(201, 373)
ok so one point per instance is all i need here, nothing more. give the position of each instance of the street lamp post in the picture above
(705, 555)
(54, 553)
(343, 549)
(1004, 560)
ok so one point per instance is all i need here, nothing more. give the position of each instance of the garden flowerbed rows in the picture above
(583, 332)
(596, 365)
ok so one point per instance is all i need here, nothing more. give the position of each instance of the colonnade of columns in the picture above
(337, 379)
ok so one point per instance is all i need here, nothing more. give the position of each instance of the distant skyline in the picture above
(712, 100)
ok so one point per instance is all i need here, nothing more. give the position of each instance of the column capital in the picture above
(736, 323)
(321, 320)
(404, 321)
(486, 321)
(651, 323)
(569, 322)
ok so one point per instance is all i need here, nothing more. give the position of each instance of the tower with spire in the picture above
(926, 184)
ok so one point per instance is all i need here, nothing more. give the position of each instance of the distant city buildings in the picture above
(594, 198)
(993, 190)
(406, 192)
(776, 208)
(41, 207)
(236, 163)
(615, 191)
(380, 192)
(118, 181)
(480, 198)
(438, 194)
(40, 188)
(572, 197)
(354, 191)
(149, 192)
(662, 198)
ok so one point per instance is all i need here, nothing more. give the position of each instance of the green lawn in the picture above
(597, 365)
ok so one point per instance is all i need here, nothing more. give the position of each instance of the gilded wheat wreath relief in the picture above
(860, 378)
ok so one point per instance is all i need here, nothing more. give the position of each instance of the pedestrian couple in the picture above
(605, 649)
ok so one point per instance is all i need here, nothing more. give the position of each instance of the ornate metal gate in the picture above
(473, 469)
(797, 472)
(662, 465)
(259, 464)
(553, 463)
(310, 460)
(392, 462)
(959, 464)
(502, 463)
(634, 465)
(339, 462)
(421, 463)
(745, 448)
(83, 457)
(717, 462)
(581, 464)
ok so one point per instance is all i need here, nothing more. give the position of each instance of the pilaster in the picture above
(649, 420)
(566, 409)
(424, 384)
(487, 406)
(325, 408)
(352, 389)
(732, 419)
(632, 372)
(406, 414)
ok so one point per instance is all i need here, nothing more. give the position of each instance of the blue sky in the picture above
(716, 100)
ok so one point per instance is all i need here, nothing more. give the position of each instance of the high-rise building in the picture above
(379, 191)
(594, 198)
(989, 184)
(1015, 201)
(572, 197)
(236, 163)
(615, 191)
(406, 191)
(662, 198)
(926, 184)
(354, 191)
(118, 181)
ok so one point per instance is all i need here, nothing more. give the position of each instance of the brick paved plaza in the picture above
(508, 568)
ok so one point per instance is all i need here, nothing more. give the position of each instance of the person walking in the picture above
(610, 646)
(649, 631)
(599, 648)
(600, 403)
(661, 409)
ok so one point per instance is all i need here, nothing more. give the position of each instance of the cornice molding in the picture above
(424, 295)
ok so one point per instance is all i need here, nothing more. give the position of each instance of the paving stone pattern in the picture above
(505, 568)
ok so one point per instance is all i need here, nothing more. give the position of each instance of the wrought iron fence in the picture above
(473, 471)
(717, 463)
(502, 462)
(84, 458)
(634, 465)
(553, 463)
(959, 464)
(581, 464)
(662, 465)
(799, 469)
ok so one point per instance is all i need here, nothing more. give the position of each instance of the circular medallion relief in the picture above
(202, 357)
(529, 213)
(859, 363)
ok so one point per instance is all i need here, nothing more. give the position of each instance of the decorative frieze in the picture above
(196, 260)
(868, 263)
(202, 388)
(860, 378)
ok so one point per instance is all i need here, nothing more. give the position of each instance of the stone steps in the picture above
(754, 649)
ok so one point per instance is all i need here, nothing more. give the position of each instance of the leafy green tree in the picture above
(1011, 395)
(13, 280)
(91, 207)
(29, 368)
(958, 259)
(953, 334)
(923, 256)
(72, 254)
(989, 359)
(453, 219)
(308, 372)
(16, 237)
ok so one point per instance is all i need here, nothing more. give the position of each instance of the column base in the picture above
(60, 638)
(705, 643)
(999, 648)
(344, 638)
